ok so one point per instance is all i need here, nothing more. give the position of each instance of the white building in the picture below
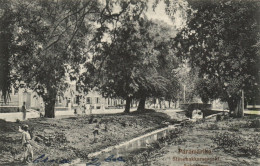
(69, 100)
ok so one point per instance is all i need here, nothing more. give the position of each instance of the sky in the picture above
(160, 14)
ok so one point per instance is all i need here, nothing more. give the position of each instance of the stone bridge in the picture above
(190, 107)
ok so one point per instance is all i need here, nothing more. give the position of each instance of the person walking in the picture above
(90, 109)
(24, 111)
(27, 156)
(84, 109)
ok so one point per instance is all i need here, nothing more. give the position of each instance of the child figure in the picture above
(26, 143)
(96, 131)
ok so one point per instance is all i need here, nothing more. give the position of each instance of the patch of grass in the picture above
(239, 146)
(250, 150)
(234, 128)
(227, 140)
(257, 129)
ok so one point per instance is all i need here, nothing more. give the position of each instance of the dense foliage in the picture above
(220, 39)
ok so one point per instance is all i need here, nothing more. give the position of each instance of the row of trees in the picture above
(135, 60)
(126, 55)
(123, 53)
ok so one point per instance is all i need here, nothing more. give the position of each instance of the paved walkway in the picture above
(250, 112)
(13, 116)
(173, 113)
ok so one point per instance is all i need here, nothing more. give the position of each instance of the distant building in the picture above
(68, 100)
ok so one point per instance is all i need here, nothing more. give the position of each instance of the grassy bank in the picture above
(226, 142)
(72, 137)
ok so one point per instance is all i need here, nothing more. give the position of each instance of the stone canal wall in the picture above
(136, 143)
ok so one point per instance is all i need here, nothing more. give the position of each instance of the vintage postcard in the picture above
(129, 82)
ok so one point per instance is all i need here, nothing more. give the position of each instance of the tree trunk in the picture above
(49, 101)
(177, 102)
(235, 107)
(169, 103)
(141, 105)
(127, 105)
(160, 103)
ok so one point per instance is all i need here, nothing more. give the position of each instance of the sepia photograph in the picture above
(129, 82)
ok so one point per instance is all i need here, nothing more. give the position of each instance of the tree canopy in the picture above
(220, 39)
(45, 42)
(133, 59)
(49, 40)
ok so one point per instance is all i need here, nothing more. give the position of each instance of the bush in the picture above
(255, 123)
(219, 117)
(212, 127)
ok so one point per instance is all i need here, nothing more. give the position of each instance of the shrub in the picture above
(212, 127)
(219, 117)
(255, 123)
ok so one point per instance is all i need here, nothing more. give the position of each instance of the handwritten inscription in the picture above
(45, 160)
(96, 161)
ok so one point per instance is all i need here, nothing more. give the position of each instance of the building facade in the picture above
(69, 100)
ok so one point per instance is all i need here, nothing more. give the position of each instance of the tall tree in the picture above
(220, 40)
(130, 63)
(122, 61)
(50, 39)
(6, 35)
(162, 35)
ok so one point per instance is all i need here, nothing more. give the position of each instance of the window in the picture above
(88, 100)
(77, 99)
(16, 91)
(97, 100)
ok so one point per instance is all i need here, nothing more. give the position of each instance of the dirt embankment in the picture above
(73, 137)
